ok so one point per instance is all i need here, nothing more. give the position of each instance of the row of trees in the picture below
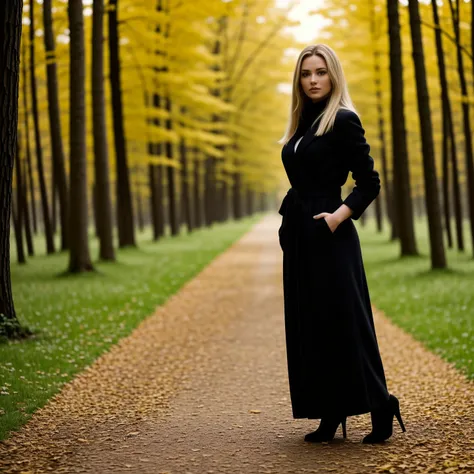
(183, 118)
(412, 55)
(185, 113)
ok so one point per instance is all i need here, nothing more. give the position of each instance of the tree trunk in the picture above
(26, 221)
(466, 120)
(80, 260)
(18, 219)
(209, 191)
(186, 198)
(197, 194)
(401, 174)
(438, 257)
(154, 203)
(39, 151)
(126, 228)
(448, 133)
(60, 178)
(141, 219)
(380, 109)
(170, 174)
(10, 35)
(29, 172)
(445, 180)
(101, 156)
(160, 197)
(237, 194)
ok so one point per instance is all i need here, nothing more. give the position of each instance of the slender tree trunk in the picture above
(79, 260)
(197, 194)
(10, 36)
(186, 198)
(39, 151)
(445, 180)
(170, 174)
(209, 191)
(448, 132)
(154, 204)
(18, 219)
(139, 206)
(160, 196)
(237, 193)
(60, 178)
(401, 174)
(466, 120)
(29, 172)
(380, 108)
(126, 229)
(26, 214)
(101, 155)
(53, 203)
(438, 256)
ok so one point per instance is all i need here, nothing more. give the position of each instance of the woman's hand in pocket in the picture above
(331, 220)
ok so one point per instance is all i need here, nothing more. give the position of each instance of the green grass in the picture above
(437, 307)
(76, 318)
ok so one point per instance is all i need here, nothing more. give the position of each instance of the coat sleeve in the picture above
(356, 151)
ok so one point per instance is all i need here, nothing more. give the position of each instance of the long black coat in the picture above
(334, 364)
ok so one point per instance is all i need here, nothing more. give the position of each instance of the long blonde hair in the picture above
(339, 95)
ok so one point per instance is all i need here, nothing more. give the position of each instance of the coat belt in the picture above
(295, 197)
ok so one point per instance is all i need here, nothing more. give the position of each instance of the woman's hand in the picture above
(332, 220)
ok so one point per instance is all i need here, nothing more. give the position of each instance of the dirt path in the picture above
(201, 387)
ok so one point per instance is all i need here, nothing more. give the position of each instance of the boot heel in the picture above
(344, 432)
(399, 418)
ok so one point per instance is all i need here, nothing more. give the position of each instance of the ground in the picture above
(201, 387)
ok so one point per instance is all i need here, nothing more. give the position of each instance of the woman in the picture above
(334, 365)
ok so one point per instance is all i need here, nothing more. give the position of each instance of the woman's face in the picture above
(314, 78)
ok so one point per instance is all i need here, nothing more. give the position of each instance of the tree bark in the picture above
(101, 156)
(18, 219)
(29, 172)
(59, 174)
(185, 194)
(126, 228)
(170, 174)
(401, 174)
(26, 221)
(448, 136)
(438, 256)
(10, 35)
(466, 120)
(79, 260)
(197, 194)
(39, 151)
(381, 123)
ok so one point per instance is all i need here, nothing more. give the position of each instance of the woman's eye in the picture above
(322, 72)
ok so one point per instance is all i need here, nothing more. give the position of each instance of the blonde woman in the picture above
(334, 365)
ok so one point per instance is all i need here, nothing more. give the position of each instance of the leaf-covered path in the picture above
(201, 387)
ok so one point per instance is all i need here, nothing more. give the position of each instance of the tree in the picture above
(60, 178)
(10, 35)
(468, 153)
(101, 157)
(438, 257)
(448, 139)
(126, 230)
(401, 174)
(79, 257)
(39, 149)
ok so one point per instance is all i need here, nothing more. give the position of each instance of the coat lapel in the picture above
(307, 139)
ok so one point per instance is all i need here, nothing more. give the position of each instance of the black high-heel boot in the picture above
(382, 421)
(326, 430)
